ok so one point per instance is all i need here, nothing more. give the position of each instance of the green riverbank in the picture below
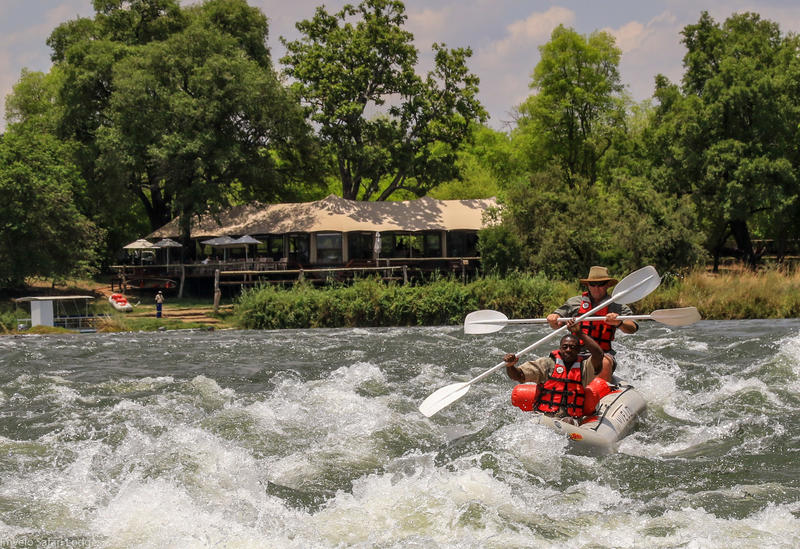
(731, 295)
(736, 294)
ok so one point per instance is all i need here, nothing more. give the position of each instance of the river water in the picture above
(312, 438)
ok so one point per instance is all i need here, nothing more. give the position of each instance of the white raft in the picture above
(615, 417)
(120, 303)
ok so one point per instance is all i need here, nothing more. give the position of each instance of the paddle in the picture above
(631, 288)
(488, 321)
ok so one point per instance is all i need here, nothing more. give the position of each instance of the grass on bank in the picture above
(731, 295)
(141, 319)
(738, 294)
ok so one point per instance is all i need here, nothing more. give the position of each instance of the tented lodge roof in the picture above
(337, 214)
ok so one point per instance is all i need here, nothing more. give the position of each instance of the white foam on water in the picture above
(325, 424)
(165, 466)
(537, 448)
(774, 526)
(431, 508)
(188, 488)
(789, 350)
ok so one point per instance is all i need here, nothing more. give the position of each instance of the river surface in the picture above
(312, 438)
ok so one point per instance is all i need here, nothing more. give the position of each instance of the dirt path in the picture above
(185, 314)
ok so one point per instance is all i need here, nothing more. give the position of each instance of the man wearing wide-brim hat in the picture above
(598, 283)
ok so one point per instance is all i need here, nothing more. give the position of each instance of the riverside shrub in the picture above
(372, 302)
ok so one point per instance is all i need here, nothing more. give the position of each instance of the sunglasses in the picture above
(568, 346)
(596, 284)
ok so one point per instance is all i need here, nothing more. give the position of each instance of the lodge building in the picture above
(332, 237)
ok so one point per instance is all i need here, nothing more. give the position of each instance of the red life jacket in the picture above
(563, 389)
(601, 332)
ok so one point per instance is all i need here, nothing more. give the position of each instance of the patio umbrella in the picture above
(168, 243)
(140, 244)
(246, 240)
(223, 242)
(376, 247)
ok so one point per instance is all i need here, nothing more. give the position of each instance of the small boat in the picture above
(615, 416)
(152, 283)
(120, 303)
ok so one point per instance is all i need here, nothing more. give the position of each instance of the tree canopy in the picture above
(154, 110)
(349, 65)
(728, 136)
(42, 231)
(179, 108)
(579, 108)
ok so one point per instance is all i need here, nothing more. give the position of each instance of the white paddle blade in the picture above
(676, 317)
(484, 322)
(636, 285)
(443, 398)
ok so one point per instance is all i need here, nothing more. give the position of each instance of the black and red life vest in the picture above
(601, 332)
(563, 389)
(525, 395)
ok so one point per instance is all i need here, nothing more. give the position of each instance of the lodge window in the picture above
(462, 244)
(298, 248)
(271, 246)
(329, 248)
(360, 245)
(432, 245)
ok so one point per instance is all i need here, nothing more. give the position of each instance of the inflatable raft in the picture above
(120, 303)
(615, 416)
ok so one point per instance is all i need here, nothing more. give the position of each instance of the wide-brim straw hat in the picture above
(599, 274)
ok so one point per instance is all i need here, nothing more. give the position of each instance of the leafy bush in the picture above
(371, 302)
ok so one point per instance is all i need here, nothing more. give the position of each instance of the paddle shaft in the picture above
(610, 300)
(562, 320)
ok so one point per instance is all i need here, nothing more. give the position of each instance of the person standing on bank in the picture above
(598, 283)
(159, 303)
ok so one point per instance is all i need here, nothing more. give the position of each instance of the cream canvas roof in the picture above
(337, 214)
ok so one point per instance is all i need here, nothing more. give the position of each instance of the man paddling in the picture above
(566, 385)
(598, 283)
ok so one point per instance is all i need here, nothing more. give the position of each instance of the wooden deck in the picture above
(267, 271)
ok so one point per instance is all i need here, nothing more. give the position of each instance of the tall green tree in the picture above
(42, 231)
(349, 66)
(729, 135)
(579, 108)
(180, 108)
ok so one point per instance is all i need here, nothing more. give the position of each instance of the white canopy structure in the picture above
(335, 214)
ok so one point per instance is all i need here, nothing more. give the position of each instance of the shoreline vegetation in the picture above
(731, 295)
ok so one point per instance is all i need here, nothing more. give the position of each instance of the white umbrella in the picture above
(246, 240)
(376, 248)
(223, 242)
(168, 243)
(140, 244)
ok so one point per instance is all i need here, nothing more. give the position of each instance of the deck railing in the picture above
(284, 271)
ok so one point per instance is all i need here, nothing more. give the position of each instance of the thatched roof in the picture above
(337, 214)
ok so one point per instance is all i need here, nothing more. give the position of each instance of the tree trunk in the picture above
(743, 242)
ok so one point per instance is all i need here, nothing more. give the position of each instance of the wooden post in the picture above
(217, 292)
(183, 277)
(405, 274)
(300, 275)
